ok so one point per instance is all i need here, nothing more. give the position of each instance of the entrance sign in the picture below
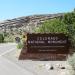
(47, 43)
(51, 46)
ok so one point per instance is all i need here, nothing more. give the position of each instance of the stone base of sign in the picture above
(42, 56)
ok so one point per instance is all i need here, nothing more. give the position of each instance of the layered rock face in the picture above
(27, 23)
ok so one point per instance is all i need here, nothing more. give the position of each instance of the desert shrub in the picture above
(9, 38)
(1, 38)
(71, 61)
(69, 19)
(20, 45)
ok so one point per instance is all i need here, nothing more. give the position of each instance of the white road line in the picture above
(7, 51)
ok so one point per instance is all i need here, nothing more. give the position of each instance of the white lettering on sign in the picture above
(49, 42)
(47, 38)
(59, 41)
(36, 42)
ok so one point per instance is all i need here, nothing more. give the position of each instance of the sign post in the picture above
(52, 46)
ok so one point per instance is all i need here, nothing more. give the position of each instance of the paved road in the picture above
(4, 48)
(7, 67)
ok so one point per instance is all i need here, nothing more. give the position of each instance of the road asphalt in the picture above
(7, 67)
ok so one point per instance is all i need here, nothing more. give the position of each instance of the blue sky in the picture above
(10, 9)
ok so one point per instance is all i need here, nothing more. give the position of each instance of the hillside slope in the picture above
(27, 23)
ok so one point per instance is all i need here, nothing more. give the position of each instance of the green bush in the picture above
(69, 19)
(20, 45)
(53, 26)
(9, 38)
(1, 38)
(71, 61)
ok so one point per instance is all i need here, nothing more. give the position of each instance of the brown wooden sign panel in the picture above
(54, 43)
